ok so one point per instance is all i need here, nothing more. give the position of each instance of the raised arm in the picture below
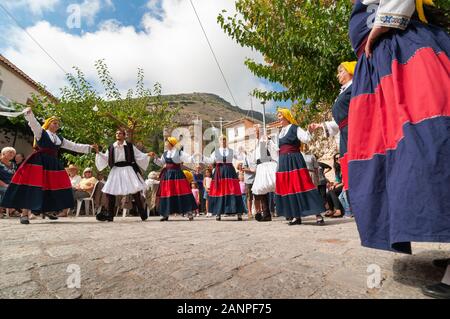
(75, 147)
(303, 136)
(101, 160)
(33, 124)
(142, 159)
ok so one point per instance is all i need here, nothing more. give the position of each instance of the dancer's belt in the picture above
(343, 123)
(133, 165)
(48, 151)
(289, 149)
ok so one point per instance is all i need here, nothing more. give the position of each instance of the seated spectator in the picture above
(18, 159)
(75, 179)
(84, 189)
(7, 169)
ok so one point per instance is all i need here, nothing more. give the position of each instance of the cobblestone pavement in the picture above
(204, 259)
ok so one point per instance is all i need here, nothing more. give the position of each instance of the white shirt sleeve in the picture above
(395, 13)
(75, 147)
(101, 161)
(330, 128)
(34, 125)
(142, 159)
(160, 161)
(273, 150)
(303, 136)
(210, 159)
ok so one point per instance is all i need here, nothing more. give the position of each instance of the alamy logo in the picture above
(74, 280)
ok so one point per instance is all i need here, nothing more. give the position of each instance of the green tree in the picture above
(302, 42)
(88, 116)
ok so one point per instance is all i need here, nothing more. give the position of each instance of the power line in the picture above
(32, 38)
(213, 53)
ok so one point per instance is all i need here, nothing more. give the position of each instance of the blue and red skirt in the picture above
(175, 193)
(41, 184)
(295, 193)
(399, 140)
(225, 196)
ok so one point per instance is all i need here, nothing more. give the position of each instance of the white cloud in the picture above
(35, 6)
(173, 52)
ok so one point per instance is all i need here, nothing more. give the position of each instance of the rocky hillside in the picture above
(208, 107)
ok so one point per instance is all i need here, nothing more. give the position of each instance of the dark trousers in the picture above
(262, 204)
(333, 198)
(137, 200)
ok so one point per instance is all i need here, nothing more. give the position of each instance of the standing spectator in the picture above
(242, 185)
(196, 194)
(198, 178)
(311, 164)
(75, 179)
(249, 170)
(18, 159)
(7, 169)
(207, 183)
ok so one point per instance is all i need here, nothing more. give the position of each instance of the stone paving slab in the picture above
(204, 259)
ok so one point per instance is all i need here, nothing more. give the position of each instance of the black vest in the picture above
(129, 155)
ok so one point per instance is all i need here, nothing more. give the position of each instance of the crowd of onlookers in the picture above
(89, 185)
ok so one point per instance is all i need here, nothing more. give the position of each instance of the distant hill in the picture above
(208, 107)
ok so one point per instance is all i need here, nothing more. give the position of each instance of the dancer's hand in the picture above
(314, 126)
(151, 154)
(95, 148)
(374, 35)
(28, 111)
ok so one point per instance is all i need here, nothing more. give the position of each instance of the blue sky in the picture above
(161, 36)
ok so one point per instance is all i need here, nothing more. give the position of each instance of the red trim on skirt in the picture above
(35, 176)
(224, 187)
(293, 182)
(174, 187)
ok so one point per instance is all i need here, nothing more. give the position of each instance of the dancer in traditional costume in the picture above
(125, 177)
(41, 184)
(399, 129)
(340, 115)
(296, 195)
(174, 193)
(225, 196)
(265, 178)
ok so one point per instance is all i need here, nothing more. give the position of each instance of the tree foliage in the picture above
(88, 116)
(302, 41)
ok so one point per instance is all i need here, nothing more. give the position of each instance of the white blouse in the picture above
(302, 135)
(102, 159)
(223, 153)
(393, 13)
(182, 158)
(66, 144)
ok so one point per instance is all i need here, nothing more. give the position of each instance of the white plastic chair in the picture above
(87, 201)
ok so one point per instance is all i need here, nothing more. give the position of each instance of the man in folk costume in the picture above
(399, 129)
(41, 184)
(125, 178)
(265, 178)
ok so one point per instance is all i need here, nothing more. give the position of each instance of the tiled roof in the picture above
(8, 64)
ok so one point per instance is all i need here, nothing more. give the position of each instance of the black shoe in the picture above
(24, 220)
(191, 218)
(218, 218)
(441, 263)
(105, 216)
(297, 221)
(239, 218)
(164, 219)
(51, 216)
(289, 218)
(320, 221)
(438, 291)
(143, 215)
(258, 217)
(266, 218)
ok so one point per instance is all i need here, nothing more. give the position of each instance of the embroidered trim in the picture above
(392, 20)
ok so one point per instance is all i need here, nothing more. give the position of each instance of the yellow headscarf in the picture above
(45, 126)
(189, 176)
(172, 140)
(420, 11)
(287, 115)
(349, 67)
